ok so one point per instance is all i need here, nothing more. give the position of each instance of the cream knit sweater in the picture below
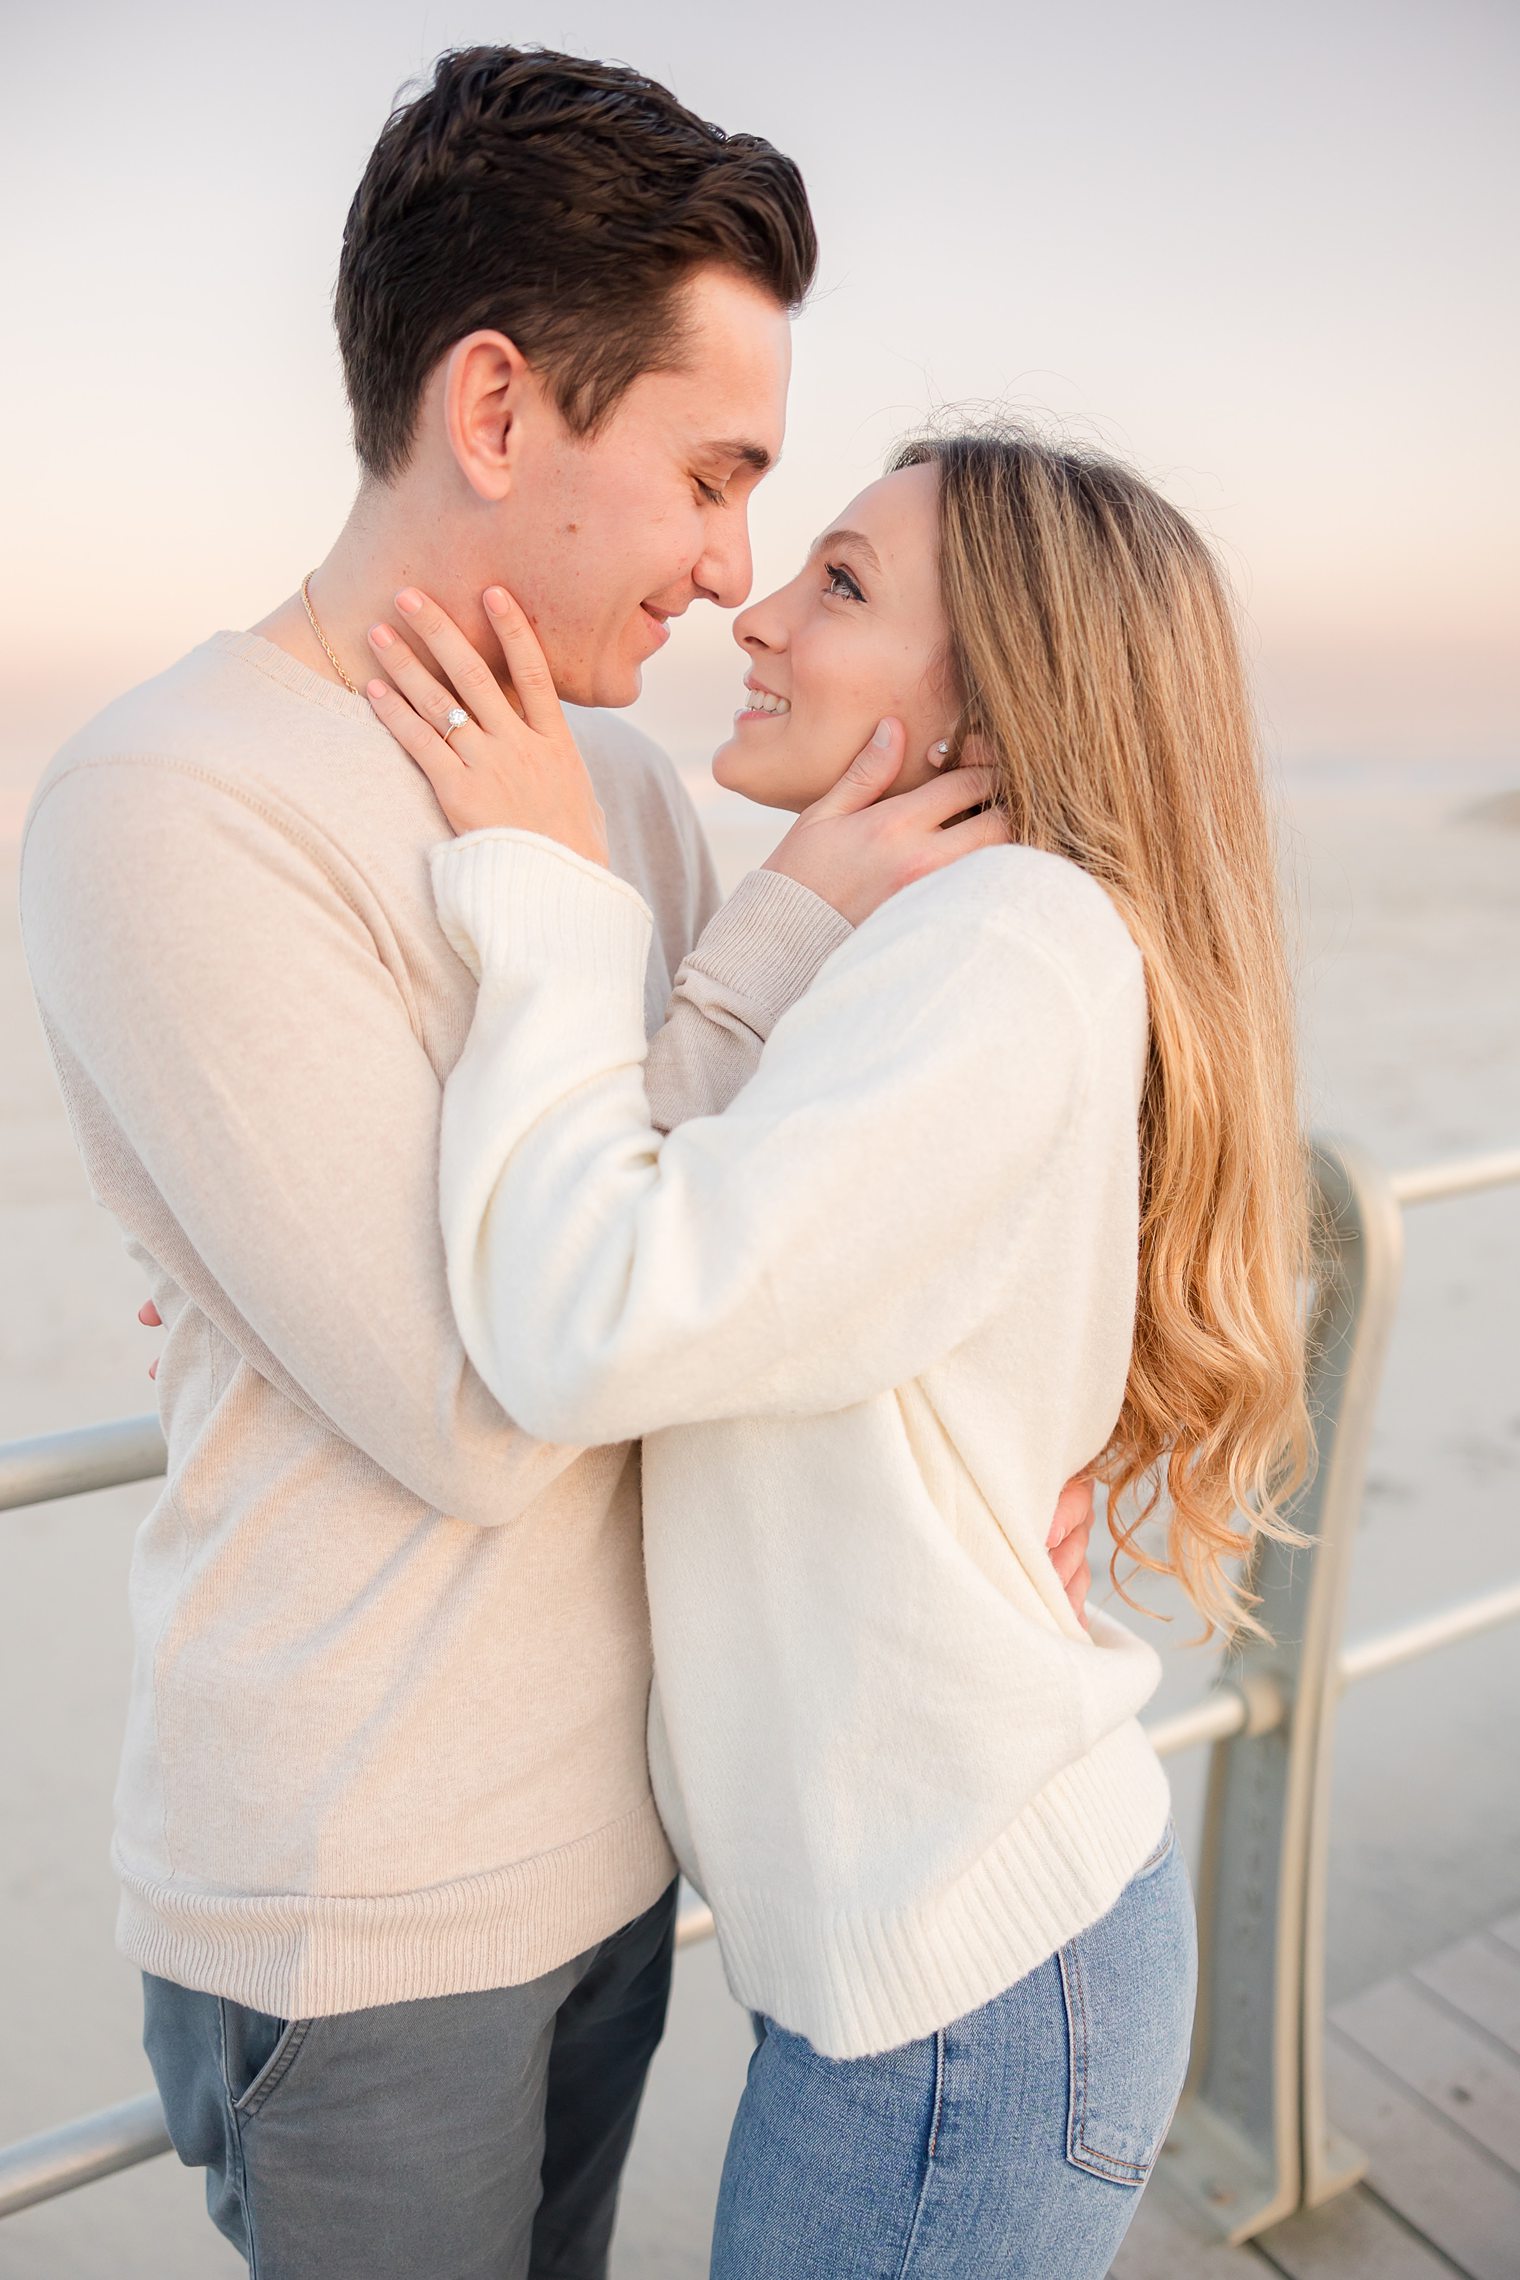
(386, 1736)
(868, 1321)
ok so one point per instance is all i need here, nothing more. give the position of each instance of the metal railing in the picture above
(1252, 2141)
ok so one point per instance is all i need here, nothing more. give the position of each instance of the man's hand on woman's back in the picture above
(1067, 1542)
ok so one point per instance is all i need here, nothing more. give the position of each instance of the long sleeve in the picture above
(850, 1219)
(210, 972)
(737, 964)
(756, 955)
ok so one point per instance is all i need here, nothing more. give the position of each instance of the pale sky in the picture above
(1266, 252)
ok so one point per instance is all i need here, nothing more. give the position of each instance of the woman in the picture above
(1017, 1180)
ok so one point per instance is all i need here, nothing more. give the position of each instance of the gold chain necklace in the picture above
(327, 647)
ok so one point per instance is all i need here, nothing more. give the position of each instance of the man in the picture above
(389, 1859)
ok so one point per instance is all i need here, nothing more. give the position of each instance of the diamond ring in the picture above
(456, 717)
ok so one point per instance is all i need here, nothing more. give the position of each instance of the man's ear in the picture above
(488, 388)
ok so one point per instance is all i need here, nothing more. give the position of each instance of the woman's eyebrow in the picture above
(855, 538)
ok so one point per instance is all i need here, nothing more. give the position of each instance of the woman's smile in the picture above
(761, 704)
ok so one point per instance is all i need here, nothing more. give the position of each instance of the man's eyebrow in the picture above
(855, 538)
(743, 454)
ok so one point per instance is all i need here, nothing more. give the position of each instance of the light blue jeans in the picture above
(1013, 2143)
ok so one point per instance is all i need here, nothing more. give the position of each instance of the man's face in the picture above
(605, 538)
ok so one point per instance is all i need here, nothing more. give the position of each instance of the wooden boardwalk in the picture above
(1424, 2074)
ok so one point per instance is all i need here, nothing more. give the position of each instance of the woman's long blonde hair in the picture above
(1094, 648)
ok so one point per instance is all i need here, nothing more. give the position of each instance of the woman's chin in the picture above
(729, 769)
(736, 770)
(739, 771)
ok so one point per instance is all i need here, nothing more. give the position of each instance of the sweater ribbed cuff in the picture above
(511, 901)
(765, 946)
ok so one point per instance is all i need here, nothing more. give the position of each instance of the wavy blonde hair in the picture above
(1094, 650)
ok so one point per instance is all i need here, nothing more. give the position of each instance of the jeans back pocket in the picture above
(1129, 1983)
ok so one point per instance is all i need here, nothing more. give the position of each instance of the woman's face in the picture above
(858, 635)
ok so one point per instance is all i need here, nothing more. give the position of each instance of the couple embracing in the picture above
(635, 1364)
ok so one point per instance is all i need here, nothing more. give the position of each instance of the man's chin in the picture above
(602, 690)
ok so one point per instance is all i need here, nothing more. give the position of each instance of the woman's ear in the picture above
(488, 388)
(950, 751)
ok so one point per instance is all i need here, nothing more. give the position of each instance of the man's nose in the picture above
(726, 570)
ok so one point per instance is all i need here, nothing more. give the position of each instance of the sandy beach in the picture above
(1410, 965)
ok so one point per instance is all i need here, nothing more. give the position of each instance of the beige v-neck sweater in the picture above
(868, 1320)
(386, 1736)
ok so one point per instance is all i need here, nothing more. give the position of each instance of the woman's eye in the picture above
(841, 583)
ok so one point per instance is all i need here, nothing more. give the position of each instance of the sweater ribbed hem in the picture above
(306, 1955)
(858, 1981)
(765, 947)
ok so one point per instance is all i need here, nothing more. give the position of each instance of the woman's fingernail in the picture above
(409, 600)
(374, 690)
(497, 598)
(883, 736)
(381, 636)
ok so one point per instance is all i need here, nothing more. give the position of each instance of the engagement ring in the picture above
(456, 717)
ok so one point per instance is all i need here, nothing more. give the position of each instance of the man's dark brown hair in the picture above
(561, 202)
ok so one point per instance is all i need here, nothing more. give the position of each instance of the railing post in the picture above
(1359, 1197)
(1251, 2142)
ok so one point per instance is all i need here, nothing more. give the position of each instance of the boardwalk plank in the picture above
(1352, 2238)
(1167, 2242)
(1480, 1978)
(1437, 2180)
(1464, 2076)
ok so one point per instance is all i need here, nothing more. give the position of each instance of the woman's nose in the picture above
(759, 627)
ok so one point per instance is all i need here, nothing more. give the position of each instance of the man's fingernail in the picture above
(883, 736)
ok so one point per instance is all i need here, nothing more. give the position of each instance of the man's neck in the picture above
(380, 549)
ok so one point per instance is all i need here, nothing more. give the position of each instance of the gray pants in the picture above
(464, 2137)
